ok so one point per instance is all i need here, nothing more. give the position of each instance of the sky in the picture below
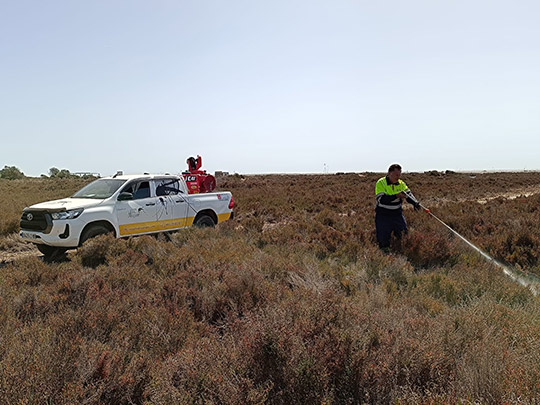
(281, 86)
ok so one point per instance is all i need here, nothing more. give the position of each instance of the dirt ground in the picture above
(512, 194)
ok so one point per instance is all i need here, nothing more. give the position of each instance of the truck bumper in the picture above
(62, 234)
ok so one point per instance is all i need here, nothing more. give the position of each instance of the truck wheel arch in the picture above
(100, 227)
(198, 221)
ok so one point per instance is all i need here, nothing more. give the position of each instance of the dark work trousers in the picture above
(386, 224)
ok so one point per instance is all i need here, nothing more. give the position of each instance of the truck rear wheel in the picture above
(92, 231)
(51, 253)
(204, 221)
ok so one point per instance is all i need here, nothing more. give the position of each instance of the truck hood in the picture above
(65, 204)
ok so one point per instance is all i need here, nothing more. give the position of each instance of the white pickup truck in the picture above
(124, 205)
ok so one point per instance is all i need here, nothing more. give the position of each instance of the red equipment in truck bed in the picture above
(197, 180)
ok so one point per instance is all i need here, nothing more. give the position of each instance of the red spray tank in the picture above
(197, 180)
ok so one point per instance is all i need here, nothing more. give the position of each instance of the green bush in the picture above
(11, 173)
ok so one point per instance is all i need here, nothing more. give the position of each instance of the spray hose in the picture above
(526, 280)
(484, 254)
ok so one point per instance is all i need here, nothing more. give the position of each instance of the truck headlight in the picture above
(67, 214)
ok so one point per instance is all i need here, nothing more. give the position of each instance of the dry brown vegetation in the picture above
(291, 302)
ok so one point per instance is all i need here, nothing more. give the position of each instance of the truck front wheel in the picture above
(204, 221)
(93, 231)
(51, 253)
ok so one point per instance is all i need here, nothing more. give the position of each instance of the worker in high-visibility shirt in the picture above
(390, 192)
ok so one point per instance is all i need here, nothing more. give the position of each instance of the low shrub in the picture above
(290, 302)
(429, 249)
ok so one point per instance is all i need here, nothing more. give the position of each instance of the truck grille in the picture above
(36, 221)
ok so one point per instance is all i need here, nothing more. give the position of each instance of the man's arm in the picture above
(411, 199)
(387, 198)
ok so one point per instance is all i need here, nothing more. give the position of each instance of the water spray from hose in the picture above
(529, 281)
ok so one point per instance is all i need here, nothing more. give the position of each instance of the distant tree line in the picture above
(65, 173)
(59, 173)
(11, 173)
(14, 173)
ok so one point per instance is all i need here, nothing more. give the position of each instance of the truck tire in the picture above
(92, 231)
(204, 221)
(51, 253)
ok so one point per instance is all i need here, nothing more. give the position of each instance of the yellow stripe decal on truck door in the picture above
(164, 225)
(155, 226)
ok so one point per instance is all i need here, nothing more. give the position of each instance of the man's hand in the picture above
(417, 206)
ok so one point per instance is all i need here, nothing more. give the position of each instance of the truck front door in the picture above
(137, 215)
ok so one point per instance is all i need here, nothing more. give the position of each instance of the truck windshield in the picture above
(99, 189)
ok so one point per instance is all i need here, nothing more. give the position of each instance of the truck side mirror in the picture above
(124, 196)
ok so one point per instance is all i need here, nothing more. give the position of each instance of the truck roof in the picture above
(143, 176)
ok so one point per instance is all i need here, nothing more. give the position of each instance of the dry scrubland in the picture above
(291, 302)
